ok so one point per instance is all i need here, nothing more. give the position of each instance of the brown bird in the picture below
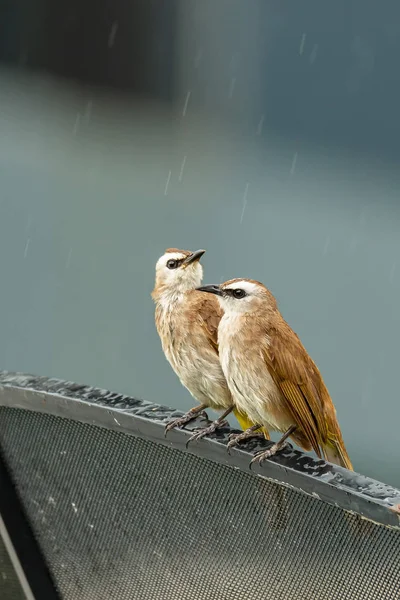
(187, 323)
(270, 374)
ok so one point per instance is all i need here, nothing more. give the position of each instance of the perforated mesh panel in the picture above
(10, 588)
(123, 518)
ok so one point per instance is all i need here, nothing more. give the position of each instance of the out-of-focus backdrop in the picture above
(265, 132)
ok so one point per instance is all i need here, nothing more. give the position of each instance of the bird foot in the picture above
(186, 418)
(236, 438)
(264, 454)
(207, 430)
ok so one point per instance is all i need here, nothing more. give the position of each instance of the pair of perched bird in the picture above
(233, 351)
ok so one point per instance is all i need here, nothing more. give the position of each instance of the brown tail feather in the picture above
(336, 453)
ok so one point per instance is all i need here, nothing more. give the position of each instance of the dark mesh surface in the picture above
(123, 518)
(10, 588)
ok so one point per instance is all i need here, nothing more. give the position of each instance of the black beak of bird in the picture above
(194, 257)
(211, 289)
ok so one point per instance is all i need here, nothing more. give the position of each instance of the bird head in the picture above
(178, 271)
(242, 296)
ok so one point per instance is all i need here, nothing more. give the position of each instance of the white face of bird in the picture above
(239, 296)
(179, 270)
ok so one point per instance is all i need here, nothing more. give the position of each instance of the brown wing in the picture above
(209, 315)
(300, 382)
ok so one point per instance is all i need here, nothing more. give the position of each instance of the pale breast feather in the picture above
(249, 380)
(187, 348)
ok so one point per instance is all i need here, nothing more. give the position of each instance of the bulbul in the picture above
(270, 374)
(187, 323)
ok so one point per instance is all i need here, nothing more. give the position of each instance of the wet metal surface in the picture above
(336, 485)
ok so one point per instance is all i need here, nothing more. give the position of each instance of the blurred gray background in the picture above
(267, 133)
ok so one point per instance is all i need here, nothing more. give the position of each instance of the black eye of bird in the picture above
(172, 264)
(238, 293)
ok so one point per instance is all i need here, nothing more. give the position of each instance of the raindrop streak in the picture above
(76, 124)
(232, 87)
(182, 167)
(167, 183)
(392, 272)
(68, 259)
(313, 54)
(244, 201)
(260, 125)
(186, 103)
(327, 243)
(303, 41)
(28, 241)
(113, 33)
(293, 167)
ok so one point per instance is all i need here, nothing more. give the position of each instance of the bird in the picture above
(187, 323)
(270, 374)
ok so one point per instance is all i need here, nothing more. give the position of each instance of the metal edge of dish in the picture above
(373, 500)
